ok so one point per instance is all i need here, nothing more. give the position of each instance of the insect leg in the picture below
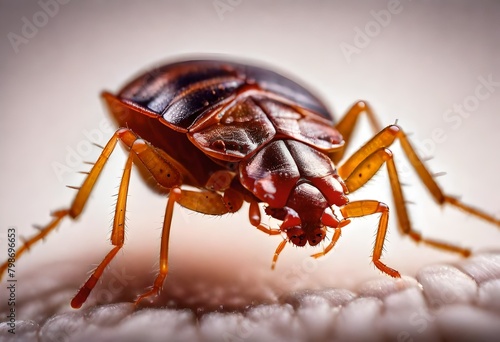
(336, 236)
(279, 249)
(255, 219)
(175, 194)
(365, 171)
(364, 163)
(384, 139)
(346, 126)
(117, 237)
(162, 171)
(78, 202)
(207, 202)
(368, 207)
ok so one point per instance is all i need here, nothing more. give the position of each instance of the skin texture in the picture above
(455, 301)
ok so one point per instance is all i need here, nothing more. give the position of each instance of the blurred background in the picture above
(433, 66)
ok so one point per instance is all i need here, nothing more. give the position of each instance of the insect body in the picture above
(241, 133)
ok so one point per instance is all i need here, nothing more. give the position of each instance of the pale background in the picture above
(427, 58)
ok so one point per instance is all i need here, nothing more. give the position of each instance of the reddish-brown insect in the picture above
(242, 133)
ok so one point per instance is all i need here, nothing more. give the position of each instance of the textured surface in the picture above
(456, 302)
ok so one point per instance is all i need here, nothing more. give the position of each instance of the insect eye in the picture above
(297, 236)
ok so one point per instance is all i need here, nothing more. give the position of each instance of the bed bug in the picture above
(241, 133)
